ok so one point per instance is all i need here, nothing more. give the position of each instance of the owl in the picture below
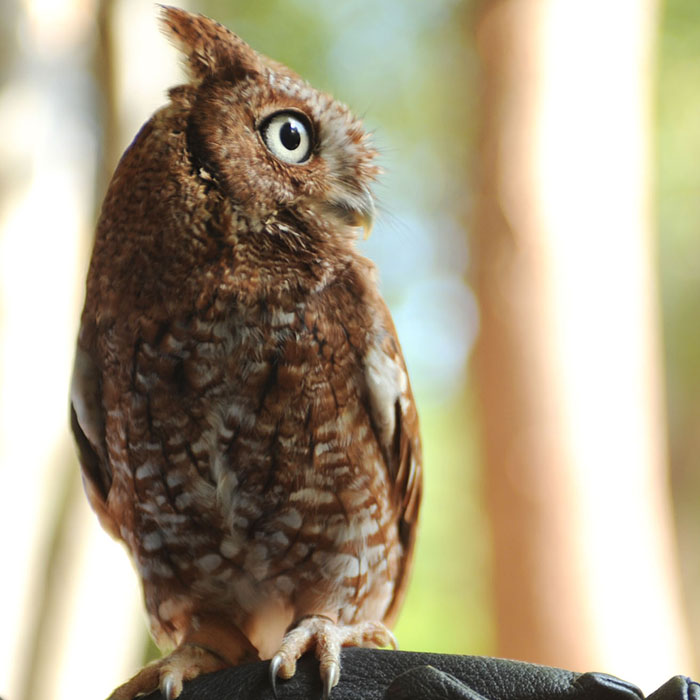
(240, 403)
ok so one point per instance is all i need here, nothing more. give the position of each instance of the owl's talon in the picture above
(275, 663)
(330, 675)
(168, 687)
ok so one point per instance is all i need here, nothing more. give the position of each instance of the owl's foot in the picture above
(327, 637)
(185, 663)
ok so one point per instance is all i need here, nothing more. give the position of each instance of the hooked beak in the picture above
(358, 213)
(364, 219)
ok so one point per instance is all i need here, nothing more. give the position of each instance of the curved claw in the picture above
(330, 675)
(392, 641)
(275, 663)
(168, 686)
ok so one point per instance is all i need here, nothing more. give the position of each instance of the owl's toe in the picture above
(326, 637)
(145, 681)
(168, 674)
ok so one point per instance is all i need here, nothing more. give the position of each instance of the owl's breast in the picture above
(255, 465)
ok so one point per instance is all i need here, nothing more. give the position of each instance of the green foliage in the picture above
(678, 191)
(678, 106)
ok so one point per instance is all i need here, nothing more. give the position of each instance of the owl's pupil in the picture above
(290, 136)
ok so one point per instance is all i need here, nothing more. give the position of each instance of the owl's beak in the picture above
(358, 212)
(364, 219)
(362, 213)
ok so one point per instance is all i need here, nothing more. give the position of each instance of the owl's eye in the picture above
(287, 135)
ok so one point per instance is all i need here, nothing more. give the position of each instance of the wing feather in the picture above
(87, 423)
(395, 418)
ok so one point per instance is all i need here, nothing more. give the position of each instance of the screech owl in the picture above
(241, 406)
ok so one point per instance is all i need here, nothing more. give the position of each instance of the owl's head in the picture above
(266, 137)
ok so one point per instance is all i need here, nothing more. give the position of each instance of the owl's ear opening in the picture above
(210, 48)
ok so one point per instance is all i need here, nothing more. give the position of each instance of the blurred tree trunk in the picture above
(105, 68)
(568, 361)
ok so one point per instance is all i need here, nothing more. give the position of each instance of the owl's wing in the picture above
(87, 423)
(395, 420)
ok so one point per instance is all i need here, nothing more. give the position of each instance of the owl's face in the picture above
(271, 141)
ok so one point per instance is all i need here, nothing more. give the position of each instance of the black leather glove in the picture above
(373, 674)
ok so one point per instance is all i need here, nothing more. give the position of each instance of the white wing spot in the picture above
(209, 562)
(290, 518)
(312, 496)
(146, 471)
(152, 541)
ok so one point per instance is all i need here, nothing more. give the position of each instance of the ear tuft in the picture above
(209, 48)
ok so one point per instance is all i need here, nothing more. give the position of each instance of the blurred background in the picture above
(538, 246)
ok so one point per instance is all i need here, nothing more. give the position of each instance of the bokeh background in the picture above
(78, 78)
